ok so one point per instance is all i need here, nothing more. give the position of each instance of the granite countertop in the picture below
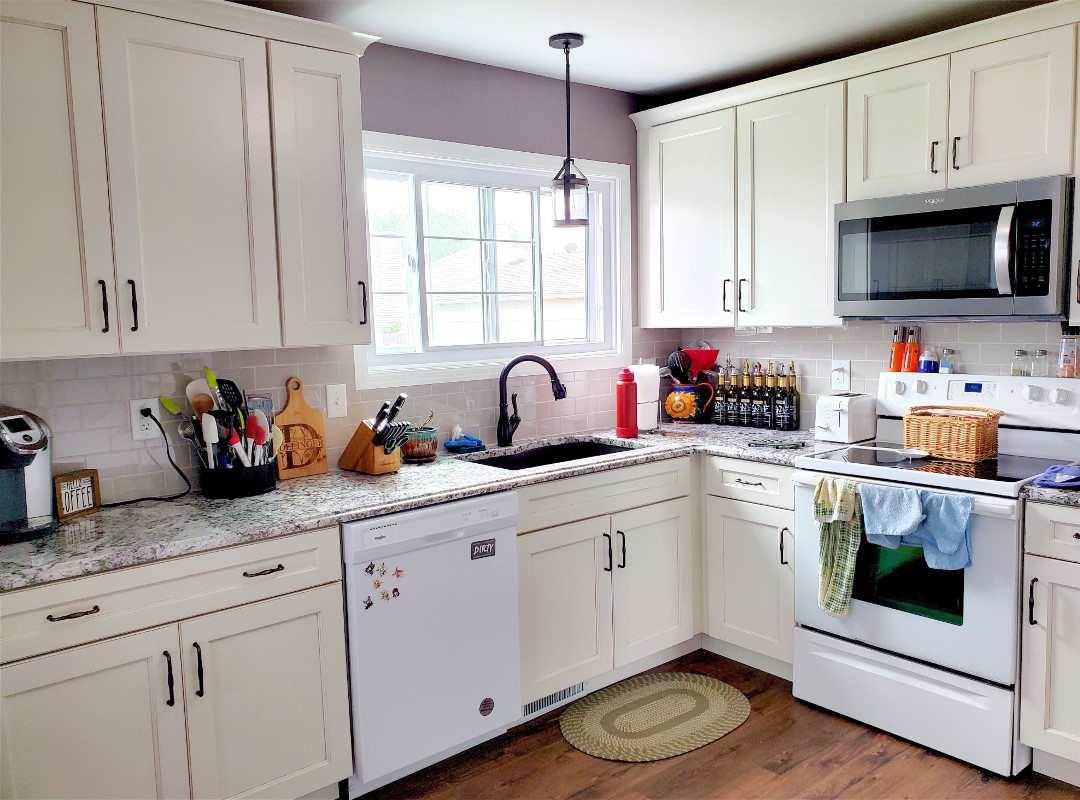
(1062, 497)
(132, 535)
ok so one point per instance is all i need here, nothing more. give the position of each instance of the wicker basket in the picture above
(970, 436)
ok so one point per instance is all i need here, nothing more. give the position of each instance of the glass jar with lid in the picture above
(1021, 364)
(948, 361)
(1040, 365)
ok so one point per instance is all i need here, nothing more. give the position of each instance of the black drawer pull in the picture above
(74, 615)
(104, 306)
(1031, 602)
(741, 482)
(172, 697)
(199, 671)
(270, 571)
(1076, 535)
(134, 306)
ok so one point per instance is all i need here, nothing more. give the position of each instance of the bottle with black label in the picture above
(745, 397)
(731, 400)
(719, 415)
(770, 398)
(796, 398)
(782, 416)
(758, 405)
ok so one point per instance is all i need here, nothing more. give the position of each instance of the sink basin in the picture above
(547, 454)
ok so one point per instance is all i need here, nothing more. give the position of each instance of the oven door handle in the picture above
(1002, 250)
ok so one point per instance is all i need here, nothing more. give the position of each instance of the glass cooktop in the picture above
(1005, 468)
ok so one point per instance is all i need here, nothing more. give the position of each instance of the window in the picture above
(467, 270)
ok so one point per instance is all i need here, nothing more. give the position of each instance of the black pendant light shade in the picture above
(570, 187)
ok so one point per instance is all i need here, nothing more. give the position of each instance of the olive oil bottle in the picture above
(719, 412)
(731, 400)
(782, 404)
(770, 398)
(745, 397)
(758, 405)
(796, 398)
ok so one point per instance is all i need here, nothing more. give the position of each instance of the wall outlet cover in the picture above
(143, 428)
(336, 402)
(841, 376)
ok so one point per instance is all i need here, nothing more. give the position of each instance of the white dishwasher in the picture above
(432, 607)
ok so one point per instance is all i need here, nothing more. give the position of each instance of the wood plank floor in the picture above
(786, 749)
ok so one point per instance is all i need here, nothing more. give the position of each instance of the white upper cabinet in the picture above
(791, 174)
(57, 293)
(1011, 108)
(318, 162)
(188, 122)
(897, 126)
(690, 269)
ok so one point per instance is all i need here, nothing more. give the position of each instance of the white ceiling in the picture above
(648, 46)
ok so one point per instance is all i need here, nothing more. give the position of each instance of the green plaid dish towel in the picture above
(840, 530)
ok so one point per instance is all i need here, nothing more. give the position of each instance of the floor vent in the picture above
(544, 703)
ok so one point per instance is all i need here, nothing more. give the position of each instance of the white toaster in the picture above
(846, 417)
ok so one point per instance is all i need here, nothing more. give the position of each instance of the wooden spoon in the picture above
(202, 404)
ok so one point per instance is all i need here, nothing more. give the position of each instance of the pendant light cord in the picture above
(566, 52)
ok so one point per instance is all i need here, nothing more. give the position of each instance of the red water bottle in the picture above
(626, 406)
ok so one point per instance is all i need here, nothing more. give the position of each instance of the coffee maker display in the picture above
(26, 486)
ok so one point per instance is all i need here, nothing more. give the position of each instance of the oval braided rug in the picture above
(654, 716)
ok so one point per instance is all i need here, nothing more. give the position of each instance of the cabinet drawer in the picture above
(1052, 530)
(141, 597)
(766, 484)
(546, 505)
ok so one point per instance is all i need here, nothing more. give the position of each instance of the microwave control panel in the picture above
(1033, 248)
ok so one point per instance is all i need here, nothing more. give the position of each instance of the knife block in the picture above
(363, 456)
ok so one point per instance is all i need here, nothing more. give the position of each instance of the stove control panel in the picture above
(1027, 402)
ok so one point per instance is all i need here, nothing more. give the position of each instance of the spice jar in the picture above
(1068, 366)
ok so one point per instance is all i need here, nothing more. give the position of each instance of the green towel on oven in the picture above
(840, 530)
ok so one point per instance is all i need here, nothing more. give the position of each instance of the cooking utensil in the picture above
(679, 365)
(186, 429)
(380, 421)
(233, 398)
(197, 387)
(202, 403)
(276, 438)
(904, 452)
(210, 437)
(238, 447)
(304, 429)
(212, 382)
(170, 406)
(396, 435)
(398, 403)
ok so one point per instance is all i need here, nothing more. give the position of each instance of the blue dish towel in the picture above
(889, 514)
(943, 535)
(1060, 476)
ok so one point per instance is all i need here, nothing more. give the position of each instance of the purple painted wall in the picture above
(419, 94)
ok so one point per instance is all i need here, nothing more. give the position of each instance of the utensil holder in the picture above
(362, 455)
(229, 484)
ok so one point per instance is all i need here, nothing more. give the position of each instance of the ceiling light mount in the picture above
(570, 187)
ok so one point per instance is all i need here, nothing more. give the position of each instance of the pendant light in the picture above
(570, 188)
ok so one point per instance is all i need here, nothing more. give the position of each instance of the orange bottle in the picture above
(899, 347)
(911, 351)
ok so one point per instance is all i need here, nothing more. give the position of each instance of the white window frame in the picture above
(442, 365)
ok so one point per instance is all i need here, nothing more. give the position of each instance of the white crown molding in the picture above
(252, 21)
(1051, 15)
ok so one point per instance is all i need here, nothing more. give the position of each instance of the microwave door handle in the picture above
(1002, 251)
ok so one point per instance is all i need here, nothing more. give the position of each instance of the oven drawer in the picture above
(765, 484)
(1052, 530)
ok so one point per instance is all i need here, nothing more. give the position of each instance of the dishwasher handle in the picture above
(383, 549)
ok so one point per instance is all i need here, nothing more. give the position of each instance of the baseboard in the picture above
(773, 666)
(1056, 767)
(326, 793)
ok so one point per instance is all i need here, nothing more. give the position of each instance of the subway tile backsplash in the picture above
(85, 402)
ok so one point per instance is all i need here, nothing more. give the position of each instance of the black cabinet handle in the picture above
(134, 306)
(363, 300)
(1076, 535)
(783, 560)
(199, 671)
(172, 697)
(741, 282)
(933, 156)
(749, 483)
(74, 615)
(104, 306)
(622, 565)
(270, 571)
(723, 295)
(1031, 602)
(955, 140)
(608, 567)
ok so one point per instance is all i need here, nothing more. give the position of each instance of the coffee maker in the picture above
(26, 486)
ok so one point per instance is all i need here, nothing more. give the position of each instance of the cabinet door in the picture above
(897, 130)
(1011, 108)
(319, 171)
(564, 585)
(653, 579)
(96, 721)
(791, 174)
(688, 278)
(57, 292)
(188, 122)
(269, 716)
(1049, 690)
(751, 580)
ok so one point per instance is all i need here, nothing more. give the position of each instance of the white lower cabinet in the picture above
(602, 593)
(1049, 690)
(749, 551)
(98, 721)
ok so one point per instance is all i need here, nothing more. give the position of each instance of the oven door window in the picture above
(900, 579)
(940, 255)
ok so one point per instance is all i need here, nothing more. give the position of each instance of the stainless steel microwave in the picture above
(985, 252)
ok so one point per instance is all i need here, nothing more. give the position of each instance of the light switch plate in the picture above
(143, 428)
(841, 376)
(336, 404)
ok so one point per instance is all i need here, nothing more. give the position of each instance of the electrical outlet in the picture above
(143, 428)
(841, 376)
(336, 404)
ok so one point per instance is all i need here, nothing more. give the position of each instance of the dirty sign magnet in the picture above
(482, 549)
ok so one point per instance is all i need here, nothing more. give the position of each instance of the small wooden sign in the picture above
(77, 493)
(304, 450)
